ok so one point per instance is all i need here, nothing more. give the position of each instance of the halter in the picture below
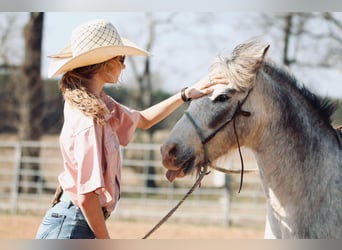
(204, 140)
(204, 168)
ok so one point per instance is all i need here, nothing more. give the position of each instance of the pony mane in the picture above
(240, 76)
(322, 106)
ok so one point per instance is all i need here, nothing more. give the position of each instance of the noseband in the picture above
(205, 139)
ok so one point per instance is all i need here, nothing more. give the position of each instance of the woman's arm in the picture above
(92, 211)
(158, 112)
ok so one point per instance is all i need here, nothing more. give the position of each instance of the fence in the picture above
(146, 194)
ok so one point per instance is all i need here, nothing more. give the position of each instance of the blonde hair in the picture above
(72, 85)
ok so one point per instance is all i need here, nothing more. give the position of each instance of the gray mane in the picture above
(248, 58)
(323, 107)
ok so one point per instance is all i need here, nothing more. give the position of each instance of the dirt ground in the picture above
(25, 227)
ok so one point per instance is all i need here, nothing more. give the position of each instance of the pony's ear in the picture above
(264, 50)
(250, 54)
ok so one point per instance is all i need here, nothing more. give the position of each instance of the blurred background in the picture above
(183, 45)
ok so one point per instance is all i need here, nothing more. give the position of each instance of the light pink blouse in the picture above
(91, 151)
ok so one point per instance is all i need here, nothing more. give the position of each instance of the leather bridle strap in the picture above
(205, 140)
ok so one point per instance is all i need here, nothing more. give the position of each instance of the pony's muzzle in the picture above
(169, 155)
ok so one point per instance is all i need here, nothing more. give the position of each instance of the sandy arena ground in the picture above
(25, 226)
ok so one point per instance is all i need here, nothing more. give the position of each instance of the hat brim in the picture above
(64, 61)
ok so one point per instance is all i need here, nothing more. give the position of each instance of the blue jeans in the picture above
(64, 221)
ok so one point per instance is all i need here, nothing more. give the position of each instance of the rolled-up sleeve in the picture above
(129, 119)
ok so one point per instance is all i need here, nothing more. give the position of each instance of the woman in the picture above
(94, 127)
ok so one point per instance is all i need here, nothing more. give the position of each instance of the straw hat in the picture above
(92, 42)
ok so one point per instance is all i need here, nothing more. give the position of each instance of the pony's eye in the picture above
(221, 98)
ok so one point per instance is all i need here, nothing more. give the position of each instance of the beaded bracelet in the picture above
(183, 95)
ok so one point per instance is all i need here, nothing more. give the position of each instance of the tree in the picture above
(309, 39)
(8, 70)
(301, 36)
(30, 99)
(145, 87)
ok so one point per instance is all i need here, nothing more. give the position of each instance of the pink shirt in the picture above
(91, 151)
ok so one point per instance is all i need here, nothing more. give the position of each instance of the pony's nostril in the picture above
(169, 153)
(169, 150)
(173, 150)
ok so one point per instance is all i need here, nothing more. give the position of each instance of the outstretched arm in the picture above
(158, 112)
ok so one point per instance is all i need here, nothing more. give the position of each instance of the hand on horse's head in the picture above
(203, 86)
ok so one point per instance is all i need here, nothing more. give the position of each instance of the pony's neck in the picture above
(299, 180)
(298, 155)
(292, 146)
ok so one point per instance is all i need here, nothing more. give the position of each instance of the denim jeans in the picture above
(64, 221)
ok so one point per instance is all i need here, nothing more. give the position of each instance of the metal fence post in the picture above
(16, 177)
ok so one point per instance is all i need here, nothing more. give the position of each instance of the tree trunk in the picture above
(287, 35)
(30, 99)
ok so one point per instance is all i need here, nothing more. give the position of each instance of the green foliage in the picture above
(52, 107)
(120, 94)
(171, 120)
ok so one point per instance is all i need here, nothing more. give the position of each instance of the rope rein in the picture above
(233, 171)
(171, 212)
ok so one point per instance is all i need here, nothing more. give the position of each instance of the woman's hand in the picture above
(203, 86)
(159, 111)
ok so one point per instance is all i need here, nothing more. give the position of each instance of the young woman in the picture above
(94, 127)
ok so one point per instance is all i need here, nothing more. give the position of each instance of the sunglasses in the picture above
(121, 59)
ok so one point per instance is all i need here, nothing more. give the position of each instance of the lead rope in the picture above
(201, 174)
(170, 213)
(240, 154)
